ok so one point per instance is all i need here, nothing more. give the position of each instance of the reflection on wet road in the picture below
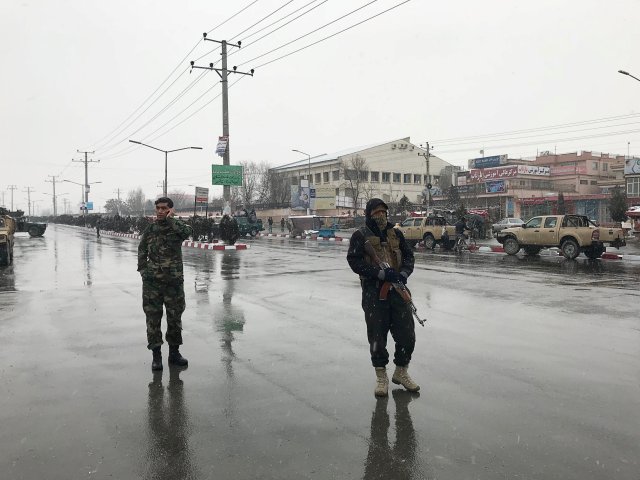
(529, 367)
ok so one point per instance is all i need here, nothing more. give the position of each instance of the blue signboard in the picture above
(496, 186)
(487, 162)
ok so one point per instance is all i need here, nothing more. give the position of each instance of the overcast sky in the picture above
(74, 70)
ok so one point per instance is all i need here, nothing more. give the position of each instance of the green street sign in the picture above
(226, 175)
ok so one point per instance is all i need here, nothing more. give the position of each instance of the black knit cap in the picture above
(373, 203)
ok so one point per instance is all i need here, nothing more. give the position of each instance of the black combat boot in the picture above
(156, 364)
(175, 358)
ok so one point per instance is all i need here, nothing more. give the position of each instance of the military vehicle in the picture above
(32, 228)
(7, 229)
(245, 225)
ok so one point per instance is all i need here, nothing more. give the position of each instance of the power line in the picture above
(551, 127)
(313, 31)
(180, 95)
(180, 63)
(333, 35)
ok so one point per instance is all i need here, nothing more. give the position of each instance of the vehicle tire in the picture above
(429, 241)
(570, 249)
(253, 232)
(33, 231)
(594, 252)
(530, 250)
(511, 246)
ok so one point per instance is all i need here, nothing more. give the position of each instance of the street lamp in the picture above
(628, 74)
(83, 188)
(308, 176)
(166, 153)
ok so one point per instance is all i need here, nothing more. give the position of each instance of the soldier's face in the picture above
(162, 210)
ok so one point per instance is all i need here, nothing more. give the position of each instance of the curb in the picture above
(214, 246)
(307, 237)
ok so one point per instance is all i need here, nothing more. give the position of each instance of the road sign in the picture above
(226, 175)
(202, 195)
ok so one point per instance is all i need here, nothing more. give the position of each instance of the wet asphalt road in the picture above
(529, 368)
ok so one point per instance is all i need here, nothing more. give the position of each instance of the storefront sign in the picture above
(533, 170)
(632, 166)
(568, 170)
(496, 186)
(477, 175)
(487, 162)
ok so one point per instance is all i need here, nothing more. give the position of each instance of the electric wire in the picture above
(184, 92)
(312, 31)
(332, 35)
(553, 140)
(181, 62)
(528, 130)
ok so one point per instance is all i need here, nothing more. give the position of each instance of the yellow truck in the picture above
(432, 230)
(573, 234)
(7, 229)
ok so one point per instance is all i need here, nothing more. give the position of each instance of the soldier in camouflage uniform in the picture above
(160, 265)
(390, 315)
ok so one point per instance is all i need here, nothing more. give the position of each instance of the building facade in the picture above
(388, 170)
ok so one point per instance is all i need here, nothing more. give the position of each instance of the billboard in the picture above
(323, 198)
(632, 166)
(477, 175)
(300, 197)
(496, 186)
(568, 170)
(226, 175)
(487, 162)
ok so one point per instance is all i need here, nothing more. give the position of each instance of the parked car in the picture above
(506, 223)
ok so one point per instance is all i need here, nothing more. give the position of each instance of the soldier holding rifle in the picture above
(379, 254)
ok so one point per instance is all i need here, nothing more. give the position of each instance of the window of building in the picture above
(594, 182)
(294, 180)
(375, 176)
(417, 179)
(338, 191)
(325, 177)
(364, 175)
(407, 178)
(605, 167)
(633, 186)
(594, 165)
(318, 178)
(335, 175)
(396, 178)
(584, 182)
(386, 177)
(523, 183)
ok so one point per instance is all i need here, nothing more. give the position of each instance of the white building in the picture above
(391, 169)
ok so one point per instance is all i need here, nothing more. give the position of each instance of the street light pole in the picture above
(166, 154)
(628, 74)
(308, 176)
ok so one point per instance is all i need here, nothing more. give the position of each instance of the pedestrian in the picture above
(390, 315)
(160, 265)
(270, 222)
(98, 228)
(282, 224)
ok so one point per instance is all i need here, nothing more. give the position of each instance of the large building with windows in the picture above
(388, 170)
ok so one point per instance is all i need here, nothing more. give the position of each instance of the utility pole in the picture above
(12, 188)
(29, 190)
(118, 204)
(428, 176)
(222, 73)
(86, 181)
(55, 200)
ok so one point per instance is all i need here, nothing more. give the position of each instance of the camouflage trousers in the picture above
(155, 294)
(384, 316)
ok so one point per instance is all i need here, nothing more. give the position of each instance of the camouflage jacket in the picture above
(160, 249)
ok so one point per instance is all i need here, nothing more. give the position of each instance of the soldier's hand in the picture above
(171, 213)
(390, 275)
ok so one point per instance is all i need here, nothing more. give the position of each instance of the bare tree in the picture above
(135, 201)
(181, 199)
(356, 176)
(251, 182)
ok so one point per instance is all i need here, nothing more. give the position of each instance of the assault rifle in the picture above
(399, 287)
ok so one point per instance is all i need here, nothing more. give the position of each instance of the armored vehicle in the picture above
(7, 229)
